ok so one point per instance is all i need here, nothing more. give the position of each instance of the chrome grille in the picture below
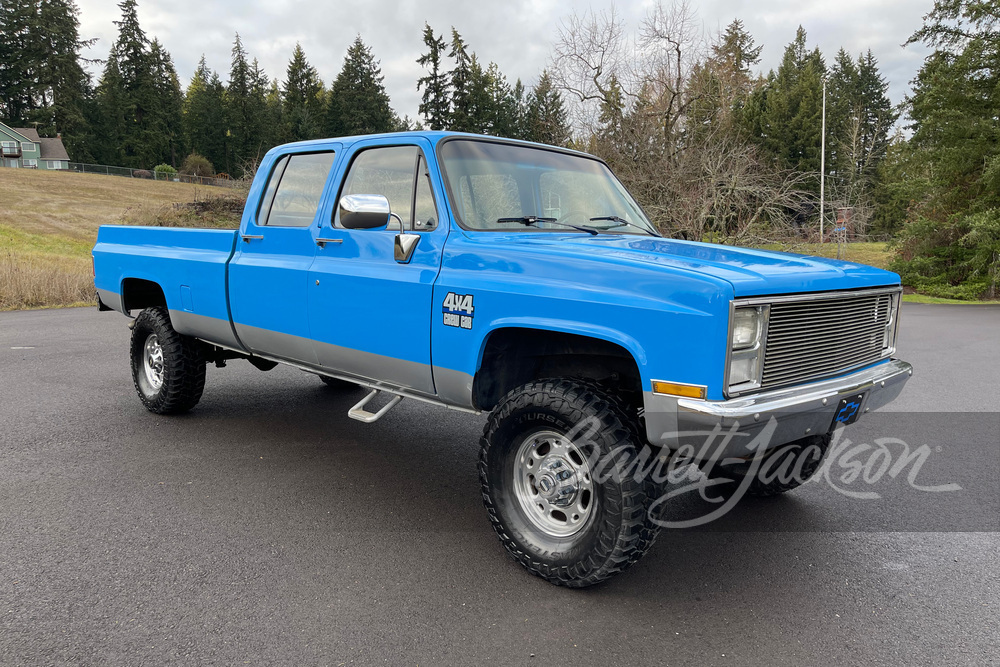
(812, 339)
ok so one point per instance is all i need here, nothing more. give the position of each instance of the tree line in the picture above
(712, 147)
(139, 115)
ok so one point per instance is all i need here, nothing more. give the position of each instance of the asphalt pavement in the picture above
(267, 528)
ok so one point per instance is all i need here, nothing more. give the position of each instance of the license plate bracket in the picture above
(848, 410)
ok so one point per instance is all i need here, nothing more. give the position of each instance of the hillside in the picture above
(49, 221)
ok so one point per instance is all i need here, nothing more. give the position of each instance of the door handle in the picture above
(251, 237)
(322, 242)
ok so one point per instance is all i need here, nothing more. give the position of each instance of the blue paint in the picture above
(665, 301)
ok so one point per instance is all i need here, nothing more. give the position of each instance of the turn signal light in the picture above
(678, 389)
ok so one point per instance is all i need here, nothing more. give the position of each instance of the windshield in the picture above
(495, 186)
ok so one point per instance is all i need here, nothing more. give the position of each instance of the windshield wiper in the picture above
(621, 223)
(530, 220)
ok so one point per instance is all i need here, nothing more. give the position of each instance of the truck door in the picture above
(370, 315)
(269, 273)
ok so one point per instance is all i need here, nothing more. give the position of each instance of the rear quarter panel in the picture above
(189, 265)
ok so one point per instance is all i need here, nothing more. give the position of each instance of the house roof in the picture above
(15, 134)
(52, 149)
(28, 133)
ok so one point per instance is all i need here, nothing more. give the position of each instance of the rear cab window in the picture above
(294, 190)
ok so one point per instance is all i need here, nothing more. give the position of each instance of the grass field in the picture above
(870, 253)
(49, 221)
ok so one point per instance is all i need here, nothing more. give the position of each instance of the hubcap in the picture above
(553, 484)
(152, 362)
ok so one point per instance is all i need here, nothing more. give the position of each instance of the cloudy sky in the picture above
(516, 34)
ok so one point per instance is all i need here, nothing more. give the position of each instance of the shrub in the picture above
(141, 173)
(165, 169)
(197, 165)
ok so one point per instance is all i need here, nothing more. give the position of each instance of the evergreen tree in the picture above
(786, 116)
(166, 116)
(20, 59)
(435, 105)
(358, 101)
(128, 94)
(303, 99)
(461, 79)
(953, 236)
(204, 115)
(547, 118)
(720, 86)
(112, 113)
(63, 86)
(245, 112)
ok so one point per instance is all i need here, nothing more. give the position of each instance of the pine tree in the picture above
(204, 115)
(129, 93)
(63, 85)
(358, 101)
(244, 111)
(953, 234)
(720, 86)
(547, 118)
(435, 105)
(786, 116)
(166, 141)
(303, 99)
(463, 111)
(20, 59)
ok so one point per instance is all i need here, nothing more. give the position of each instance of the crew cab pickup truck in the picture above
(522, 281)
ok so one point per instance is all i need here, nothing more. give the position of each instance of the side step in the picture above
(358, 411)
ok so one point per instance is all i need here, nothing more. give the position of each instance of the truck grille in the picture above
(812, 339)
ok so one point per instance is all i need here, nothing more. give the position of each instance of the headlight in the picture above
(746, 328)
(746, 346)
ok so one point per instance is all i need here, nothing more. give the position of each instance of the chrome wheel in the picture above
(152, 362)
(553, 485)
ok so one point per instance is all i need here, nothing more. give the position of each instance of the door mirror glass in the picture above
(364, 211)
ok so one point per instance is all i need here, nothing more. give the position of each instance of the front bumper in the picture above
(796, 412)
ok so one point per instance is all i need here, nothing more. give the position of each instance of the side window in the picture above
(294, 190)
(384, 171)
(424, 211)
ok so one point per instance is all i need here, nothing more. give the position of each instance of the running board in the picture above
(358, 411)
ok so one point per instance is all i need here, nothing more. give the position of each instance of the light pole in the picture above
(822, 165)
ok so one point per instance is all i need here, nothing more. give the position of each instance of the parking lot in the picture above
(267, 528)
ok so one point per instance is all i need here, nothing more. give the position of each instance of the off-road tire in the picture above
(619, 529)
(767, 482)
(183, 365)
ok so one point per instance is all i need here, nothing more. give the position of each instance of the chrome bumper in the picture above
(797, 411)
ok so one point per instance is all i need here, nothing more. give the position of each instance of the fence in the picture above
(149, 174)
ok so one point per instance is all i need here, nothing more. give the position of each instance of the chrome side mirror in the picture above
(364, 211)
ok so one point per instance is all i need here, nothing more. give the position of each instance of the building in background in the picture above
(22, 147)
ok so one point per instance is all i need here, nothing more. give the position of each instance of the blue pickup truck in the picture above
(523, 281)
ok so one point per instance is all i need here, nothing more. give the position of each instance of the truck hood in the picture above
(750, 272)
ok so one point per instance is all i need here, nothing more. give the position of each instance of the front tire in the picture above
(561, 497)
(168, 369)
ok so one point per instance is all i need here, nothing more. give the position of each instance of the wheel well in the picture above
(515, 356)
(138, 294)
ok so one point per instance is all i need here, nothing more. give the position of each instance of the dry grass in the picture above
(49, 221)
(43, 281)
(875, 254)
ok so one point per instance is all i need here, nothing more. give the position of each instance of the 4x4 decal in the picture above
(458, 310)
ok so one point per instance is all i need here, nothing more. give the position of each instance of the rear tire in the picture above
(168, 369)
(556, 499)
